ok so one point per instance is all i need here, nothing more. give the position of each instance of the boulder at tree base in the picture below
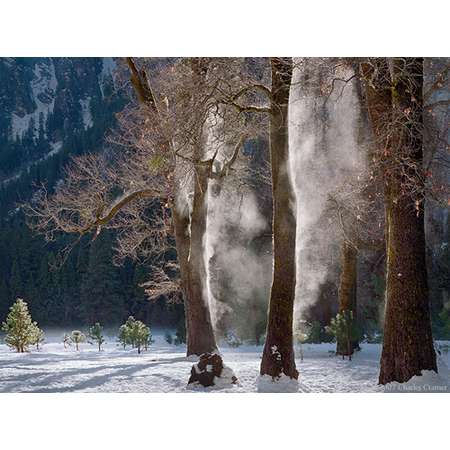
(209, 366)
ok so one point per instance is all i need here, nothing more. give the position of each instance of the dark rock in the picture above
(209, 366)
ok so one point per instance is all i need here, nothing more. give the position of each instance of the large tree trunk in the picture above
(347, 293)
(408, 344)
(200, 333)
(189, 233)
(278, 354)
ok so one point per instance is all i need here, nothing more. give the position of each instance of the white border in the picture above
(224, 28)
(224, 421)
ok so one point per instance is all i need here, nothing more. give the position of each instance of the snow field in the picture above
(165, 368)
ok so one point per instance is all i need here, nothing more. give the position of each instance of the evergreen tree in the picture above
(141, 335)
(317, 333)
(77, 337)
(20, 330)
(344, 328)
(96, 335)
(135, 333)
(38, 337)
(123, 336)
(232, 339)
(129, 324)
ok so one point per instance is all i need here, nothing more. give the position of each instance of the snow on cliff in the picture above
(43, 89)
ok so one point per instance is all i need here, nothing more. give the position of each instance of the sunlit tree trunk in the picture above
(408, 344)
(189, 234)
(278, 354)
(200, 333)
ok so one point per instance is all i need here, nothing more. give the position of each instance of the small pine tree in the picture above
(19, 328)
(96, 335)
(129, 325)
(66, 340)
(315, 332)
(77, 337)
(38, 337)
(140, 335)
(232, 339)
(123, 336)
(343, 327)
(135, 333)
(147, 338)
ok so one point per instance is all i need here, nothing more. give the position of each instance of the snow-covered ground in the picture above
(165, 368)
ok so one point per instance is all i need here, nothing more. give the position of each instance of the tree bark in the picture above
(347, 293)
(200, 333)
(408, 344)
(189, 234)
(278, 354)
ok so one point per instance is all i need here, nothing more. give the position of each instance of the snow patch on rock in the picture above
(86, 113)
(107, 73)
(43, 89)
(225, 381)
(56, 148)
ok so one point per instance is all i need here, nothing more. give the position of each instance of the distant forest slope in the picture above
(50, 110)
